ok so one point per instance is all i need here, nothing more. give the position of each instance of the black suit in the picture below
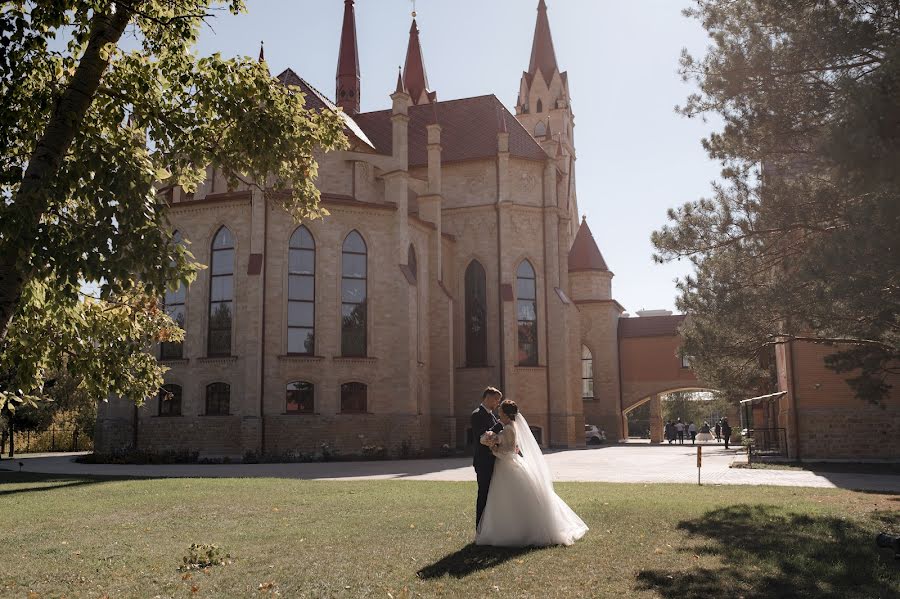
(483, 460)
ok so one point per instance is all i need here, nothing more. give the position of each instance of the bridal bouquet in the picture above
(490, 439)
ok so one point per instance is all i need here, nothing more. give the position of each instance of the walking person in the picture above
(726, 431)
(718, 430)
(679, 429)
(692, 431)
(668, 432)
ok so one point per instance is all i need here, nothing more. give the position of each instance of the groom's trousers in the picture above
(483, 475)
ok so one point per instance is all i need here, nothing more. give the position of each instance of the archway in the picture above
(656, 408)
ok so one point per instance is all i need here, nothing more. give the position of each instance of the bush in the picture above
(201, 556)
(140, 456)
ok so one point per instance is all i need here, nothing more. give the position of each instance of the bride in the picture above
(522, 508)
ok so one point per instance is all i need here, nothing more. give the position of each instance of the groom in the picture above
(483, 420)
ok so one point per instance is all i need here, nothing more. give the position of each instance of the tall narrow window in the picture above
(173, 303)
(302, 293)
(476, 315)
(587, 373)
(353, 296)
(221, 293)
(218, 399)
(170, 400)
(300, 398)
(540, 106)
(354, 398)
(540, 129)
(526, 296)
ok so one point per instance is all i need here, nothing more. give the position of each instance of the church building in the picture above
(453, 258)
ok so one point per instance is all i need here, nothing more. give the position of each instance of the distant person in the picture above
(668, 432)
(719, 431)
(692, 431)
(679, 430)
(704, 435)
(726, 431)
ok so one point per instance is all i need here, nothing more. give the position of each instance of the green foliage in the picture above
(800, 239)
(89, 130)
(694, 407)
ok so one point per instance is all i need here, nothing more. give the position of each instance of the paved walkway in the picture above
(629, 463)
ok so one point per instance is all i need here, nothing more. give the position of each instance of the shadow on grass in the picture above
(470, 559)
(768, 552)
(48, 482)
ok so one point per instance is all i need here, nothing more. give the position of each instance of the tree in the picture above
(86, 133)
(800, 240)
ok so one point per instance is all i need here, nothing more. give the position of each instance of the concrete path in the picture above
(631, 463)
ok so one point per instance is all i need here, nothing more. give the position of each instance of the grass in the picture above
(95, 537)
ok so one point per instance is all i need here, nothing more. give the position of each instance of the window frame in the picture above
(364, 303)
(174, 350)
(310, 276)
(475, 344)
(585, 379)
(209, 389)
(229, 301)
(287, 402)
(533, 360)
(365, 389)
(170, 412)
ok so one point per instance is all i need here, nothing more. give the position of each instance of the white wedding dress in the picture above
(522, 508)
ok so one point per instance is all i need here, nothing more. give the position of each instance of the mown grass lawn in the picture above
(95, 537)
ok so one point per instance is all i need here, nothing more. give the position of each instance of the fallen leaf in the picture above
(195, 588)
(187, 576)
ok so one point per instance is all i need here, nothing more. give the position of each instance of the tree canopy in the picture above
(800, 237)
(102, 101)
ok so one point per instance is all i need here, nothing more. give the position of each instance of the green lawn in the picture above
(90, 537)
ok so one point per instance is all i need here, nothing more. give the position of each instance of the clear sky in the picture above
(636, 156)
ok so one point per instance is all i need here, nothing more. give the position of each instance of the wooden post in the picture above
(699, 461)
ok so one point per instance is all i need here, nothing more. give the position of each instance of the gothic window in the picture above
(353, 296)
(218, 399)
(526, 314)
(476, 315)
(300, 398)
(221, 294)
(540, 106)
(301, 293)
(587, 373)
(354, 398)
(170, 400)
(540, 130)
(173, 303)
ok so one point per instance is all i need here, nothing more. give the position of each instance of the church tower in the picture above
(347, 79)
(545, 110)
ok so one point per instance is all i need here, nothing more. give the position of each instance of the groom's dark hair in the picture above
(491, 391)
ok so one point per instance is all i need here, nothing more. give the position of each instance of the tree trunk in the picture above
(44, 164)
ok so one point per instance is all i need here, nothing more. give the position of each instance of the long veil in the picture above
(532, 454)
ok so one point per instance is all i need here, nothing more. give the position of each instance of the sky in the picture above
(636, 157)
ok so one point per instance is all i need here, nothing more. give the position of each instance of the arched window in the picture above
(300, 398)
(173, 303)
(301, 293)
(540, 106)
(354, 398)
(526, 296)
(353, 296)
(476, 315)
(218, 399)
(221, 294)
(540, 130)
(170, 400)
(412, 263)
(587, 373)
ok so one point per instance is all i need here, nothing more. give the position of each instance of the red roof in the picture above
(543, 56)
(469, 129)
(347, 77)
(651, 326)
(415, 79)
(585, 255)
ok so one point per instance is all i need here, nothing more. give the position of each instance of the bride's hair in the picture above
(509, 408)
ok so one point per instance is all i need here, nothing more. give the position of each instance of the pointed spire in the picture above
(543, 56)
(401, 88)
(585, 255)
(262, 52)
(414, 77)
(347, 78)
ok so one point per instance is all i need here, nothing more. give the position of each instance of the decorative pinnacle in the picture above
(262, 51)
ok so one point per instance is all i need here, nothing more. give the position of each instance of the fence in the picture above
(767, 441)
(49, 440)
